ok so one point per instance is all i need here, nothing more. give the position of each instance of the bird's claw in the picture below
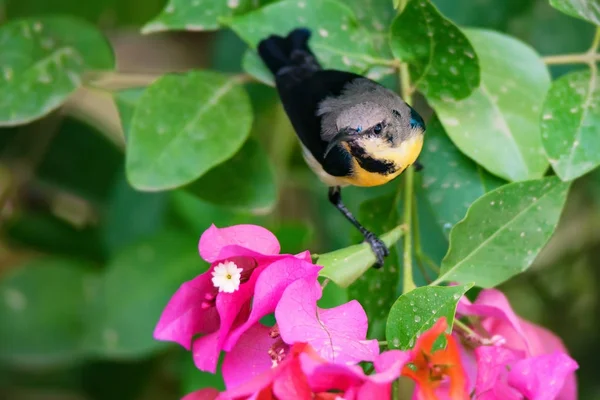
(379, 248)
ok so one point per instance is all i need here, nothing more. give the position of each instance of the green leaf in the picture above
(42, 62)
(132, 215)
(197, 215)
(490, 14)
(134, 290)
(198, 15)
(338, 41)
(346, 265)
(588, 10)
(376, 14)
(503, 232)
(498, 125)
(108, 13)
(42, 311)
(571, 124)
(192, 379)
(254, 66)
(45, 232)
(442, 62)
(126, 101)
(246, 182)
(183, 126)
(416, 311)
(376, 288)
(79, 147)
(450, 180)
(294, 237)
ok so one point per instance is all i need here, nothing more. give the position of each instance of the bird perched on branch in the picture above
(353, 130)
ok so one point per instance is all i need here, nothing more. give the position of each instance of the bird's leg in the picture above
(418, 166)
(378, 247)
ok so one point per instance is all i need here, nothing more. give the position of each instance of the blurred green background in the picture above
(87, 263)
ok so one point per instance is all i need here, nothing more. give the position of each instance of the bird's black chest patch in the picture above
(368, 163)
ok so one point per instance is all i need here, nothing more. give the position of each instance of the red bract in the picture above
(200, 308)
(429, 368)
(304, 375)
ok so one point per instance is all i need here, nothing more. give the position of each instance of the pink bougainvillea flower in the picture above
(303, 374)
(542, 377)
(244, 283)
(509, 331)
(337, 334)
(492, 373)
(505, 374)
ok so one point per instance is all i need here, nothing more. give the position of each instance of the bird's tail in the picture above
(284, 53)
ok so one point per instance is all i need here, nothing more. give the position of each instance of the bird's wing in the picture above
(301, 98)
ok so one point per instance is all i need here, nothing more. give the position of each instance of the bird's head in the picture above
(378, 132)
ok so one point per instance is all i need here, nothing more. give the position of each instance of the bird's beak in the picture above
(343, 135)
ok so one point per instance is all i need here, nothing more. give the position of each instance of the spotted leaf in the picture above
(450, 180)
(571, 124)
(442, 62)
(183, 126)
(198, 15)
(416, 311)
(337, 39)
(42, 62)
(503, 232)
(498, 125)
(588, 10)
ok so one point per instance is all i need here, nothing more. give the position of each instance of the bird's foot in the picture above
(379, 248)
(418, 166)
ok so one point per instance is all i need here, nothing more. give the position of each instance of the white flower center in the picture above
(226, 277)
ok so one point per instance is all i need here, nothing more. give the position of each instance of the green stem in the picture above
(581, 58)
(409, 177)
(590, 57)
(459, 324)
(383, 342)
(417, 243)
(396, 390)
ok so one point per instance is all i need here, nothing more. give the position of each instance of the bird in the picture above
(352, 130)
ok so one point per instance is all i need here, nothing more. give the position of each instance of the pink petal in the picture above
(541, 377)
(305, 255)
(500, 317)
(251, 237)
(249, 358)
(324, 376)
(205, 351)
(184, 317)
(202, 394)
(389, 364)
(270, 284)
(230, 306)
(543, 342)
(491, 380)
(338, 334)
(469, 364)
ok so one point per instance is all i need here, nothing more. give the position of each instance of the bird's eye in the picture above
(378, 128)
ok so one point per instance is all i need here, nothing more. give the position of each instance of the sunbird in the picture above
(353, 131)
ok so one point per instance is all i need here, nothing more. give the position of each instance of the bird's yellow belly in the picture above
(402, 157)
(361, 177)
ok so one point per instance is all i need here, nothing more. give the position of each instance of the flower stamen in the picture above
(227, 277)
